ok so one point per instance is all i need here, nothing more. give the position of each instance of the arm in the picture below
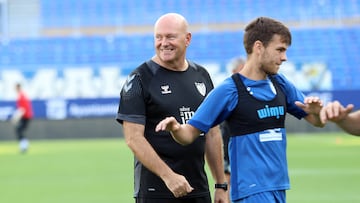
(182, 133)
(343, 117)
(214, 157)
(134, 137)
(312, 106)
(186, 134)
(17, 115)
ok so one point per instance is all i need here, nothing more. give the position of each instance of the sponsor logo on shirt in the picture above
(185, 114)
(271, 135)
(267, 112)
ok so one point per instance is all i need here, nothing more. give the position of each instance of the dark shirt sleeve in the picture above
(132, 102)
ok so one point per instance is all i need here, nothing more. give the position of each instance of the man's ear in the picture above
(258, 46)
(188, 39)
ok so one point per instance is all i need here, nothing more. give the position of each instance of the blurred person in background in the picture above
(22, 117)
(254, 103)
(169, 84)
(234, 66)
(342, 116)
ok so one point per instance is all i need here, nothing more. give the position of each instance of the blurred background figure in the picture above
(234, 66)
(21, 117)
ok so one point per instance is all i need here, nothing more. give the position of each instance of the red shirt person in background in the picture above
(22, 117)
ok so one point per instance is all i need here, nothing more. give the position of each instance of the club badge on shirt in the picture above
(200, 86)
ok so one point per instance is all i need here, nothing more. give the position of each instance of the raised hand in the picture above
(335, 112)
(168, 124)
(311, 105)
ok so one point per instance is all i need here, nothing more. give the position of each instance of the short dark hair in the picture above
(263, 29)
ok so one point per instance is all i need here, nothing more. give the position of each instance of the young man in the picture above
(254, 103)
(22, 118)
(235, 65)
(342, 116)
(169, 84)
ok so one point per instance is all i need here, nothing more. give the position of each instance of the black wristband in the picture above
(223, 186)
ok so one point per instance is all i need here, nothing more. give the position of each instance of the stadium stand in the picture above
(337, 47)
(73, 55)
(69, 13)
(47, 39)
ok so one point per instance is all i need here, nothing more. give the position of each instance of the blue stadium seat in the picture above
(338, 47)
(65, 13)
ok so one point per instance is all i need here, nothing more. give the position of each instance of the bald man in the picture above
(169, 84)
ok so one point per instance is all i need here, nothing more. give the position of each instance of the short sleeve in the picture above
(132, 101)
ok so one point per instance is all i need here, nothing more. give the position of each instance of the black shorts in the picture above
(175, 200)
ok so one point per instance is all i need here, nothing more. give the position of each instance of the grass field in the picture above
(324, 168)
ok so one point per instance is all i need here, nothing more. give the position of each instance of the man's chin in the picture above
(271, 73)
(167, 58)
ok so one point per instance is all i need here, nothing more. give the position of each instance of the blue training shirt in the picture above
(258, 160)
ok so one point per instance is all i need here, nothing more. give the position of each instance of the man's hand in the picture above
(168, 124)
(311, 105)
(183, 134)
(178, 185)
(221, 196)
(335, 112)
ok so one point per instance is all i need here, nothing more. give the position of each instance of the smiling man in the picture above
(166, 85)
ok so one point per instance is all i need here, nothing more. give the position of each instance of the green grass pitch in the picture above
(324, 168)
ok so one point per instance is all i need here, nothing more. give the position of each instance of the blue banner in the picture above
(59, 109)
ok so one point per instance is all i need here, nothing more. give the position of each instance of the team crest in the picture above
(201, 88)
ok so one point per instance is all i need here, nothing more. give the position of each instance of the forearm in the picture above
(184, 134)
(351, 123)
(214, 154)
(315, 120)
(143, 151)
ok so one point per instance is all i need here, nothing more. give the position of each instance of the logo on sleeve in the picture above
(200, 86)
(128, 83)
